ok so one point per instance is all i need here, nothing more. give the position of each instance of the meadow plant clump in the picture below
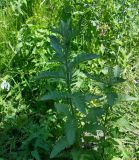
(69, 82)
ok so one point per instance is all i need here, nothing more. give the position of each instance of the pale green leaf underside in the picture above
(125, 97)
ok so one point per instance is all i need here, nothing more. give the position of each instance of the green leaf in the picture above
(65, 29)
(99, 81)
(25, 2)
(116, 158)
(41, 144)
(116, 71)
(63, 108)
(81, 154)
(124, 97)
(117, 80)
(92, 127)
(111, 98)
(89, 97)
(82, 58)
(35, 155)
(31, 138)
(54, 95)
(59, 146)
(55, 43)
(79, 102)
(55, 30)
(95, 113)
(70, 130)
(123, 122)
(47, 74)
(94, 77)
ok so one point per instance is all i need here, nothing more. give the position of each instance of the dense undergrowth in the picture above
(69, 76)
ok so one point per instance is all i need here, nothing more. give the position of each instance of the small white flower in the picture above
(136, 81)
(5, 85)
(100, 133)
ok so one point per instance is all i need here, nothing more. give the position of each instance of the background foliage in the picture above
(30, 128)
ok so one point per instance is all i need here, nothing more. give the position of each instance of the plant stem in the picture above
(105, 122)
(68, 81)
(68, 77)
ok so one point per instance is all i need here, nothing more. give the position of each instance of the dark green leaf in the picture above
(94, 77)
(79, 102)
(56, 44)
(70, 130)
(55, 95)
(82, 58)
(66, 32)
(95, 113)
(39, 143)
(92, 127)
(111, 98)
(63, 108)
(89, 97)
(82, 154)
(46, 74)
(59, 146)
(117, 80)
(36, 155)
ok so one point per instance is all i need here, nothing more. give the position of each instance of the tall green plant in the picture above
(68, 101)
(107, 82)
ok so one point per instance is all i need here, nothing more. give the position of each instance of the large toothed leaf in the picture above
(112, 98)
(94, 77)
(65, 28)
(54, 95)
(89, 97)
(47, 74)
(70, 129)
(101, 81)
(82, 58)
(59, 146)
(55, 43)
(95, 113)
(63, 108)
(79, 102)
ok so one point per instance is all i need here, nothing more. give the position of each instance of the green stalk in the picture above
(68, 77)
(68, 82)
(105, 122)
